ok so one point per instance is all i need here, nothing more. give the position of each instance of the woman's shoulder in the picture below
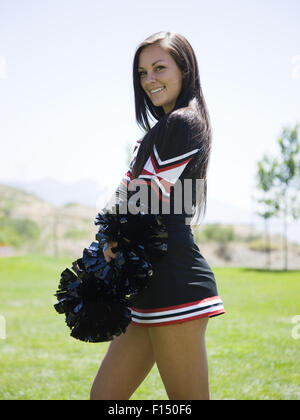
(185, 125)
(188, 116)
(181, 133)
(181, 117)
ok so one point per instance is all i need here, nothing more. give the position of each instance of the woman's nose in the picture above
(150, 78)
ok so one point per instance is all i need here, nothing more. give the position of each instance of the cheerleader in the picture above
(169, 317)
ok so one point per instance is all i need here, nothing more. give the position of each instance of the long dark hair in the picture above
(190, 104)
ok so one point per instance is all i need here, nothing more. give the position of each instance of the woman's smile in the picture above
(155, 91)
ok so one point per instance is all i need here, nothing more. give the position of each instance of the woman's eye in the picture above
(143, 72)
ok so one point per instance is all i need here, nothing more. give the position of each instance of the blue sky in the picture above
(66, 95)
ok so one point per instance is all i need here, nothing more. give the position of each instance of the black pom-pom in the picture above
(95, 297)
(138, 271)
(95, 310)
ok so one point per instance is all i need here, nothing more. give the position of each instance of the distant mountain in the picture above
(61, 230)
(87, 192)
(39, 226)
(221, 212)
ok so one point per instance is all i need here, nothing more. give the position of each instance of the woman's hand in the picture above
(107, 252)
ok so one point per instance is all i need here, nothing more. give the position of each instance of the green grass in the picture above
(251, 351)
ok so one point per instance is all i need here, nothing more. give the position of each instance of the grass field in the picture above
(251, 350)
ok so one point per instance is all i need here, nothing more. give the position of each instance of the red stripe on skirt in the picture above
(178, 321)
(184, 305)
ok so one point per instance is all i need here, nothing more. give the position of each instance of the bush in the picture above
(9, 236)
(76, 234)
(17, 231)
(263, 246)
(216, 232)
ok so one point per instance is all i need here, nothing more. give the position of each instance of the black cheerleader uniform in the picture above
(183, 286)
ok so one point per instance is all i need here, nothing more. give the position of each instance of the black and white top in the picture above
(183, 286)
(166, 188)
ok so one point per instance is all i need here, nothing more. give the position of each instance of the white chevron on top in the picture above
(174, 159)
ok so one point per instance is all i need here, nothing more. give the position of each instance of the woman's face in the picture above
(158, 70)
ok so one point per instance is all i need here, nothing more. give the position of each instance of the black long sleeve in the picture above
(164, 170)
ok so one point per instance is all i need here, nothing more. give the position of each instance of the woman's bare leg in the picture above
(128, 360)
(180, 355)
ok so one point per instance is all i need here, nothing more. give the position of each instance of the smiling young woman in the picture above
(160, 77)
(170, 316)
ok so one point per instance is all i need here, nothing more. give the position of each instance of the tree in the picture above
(279, 179)
(269, 207)
(288, 181)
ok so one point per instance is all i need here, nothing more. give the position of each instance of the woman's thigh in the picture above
(180, 354)
(128, 360)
